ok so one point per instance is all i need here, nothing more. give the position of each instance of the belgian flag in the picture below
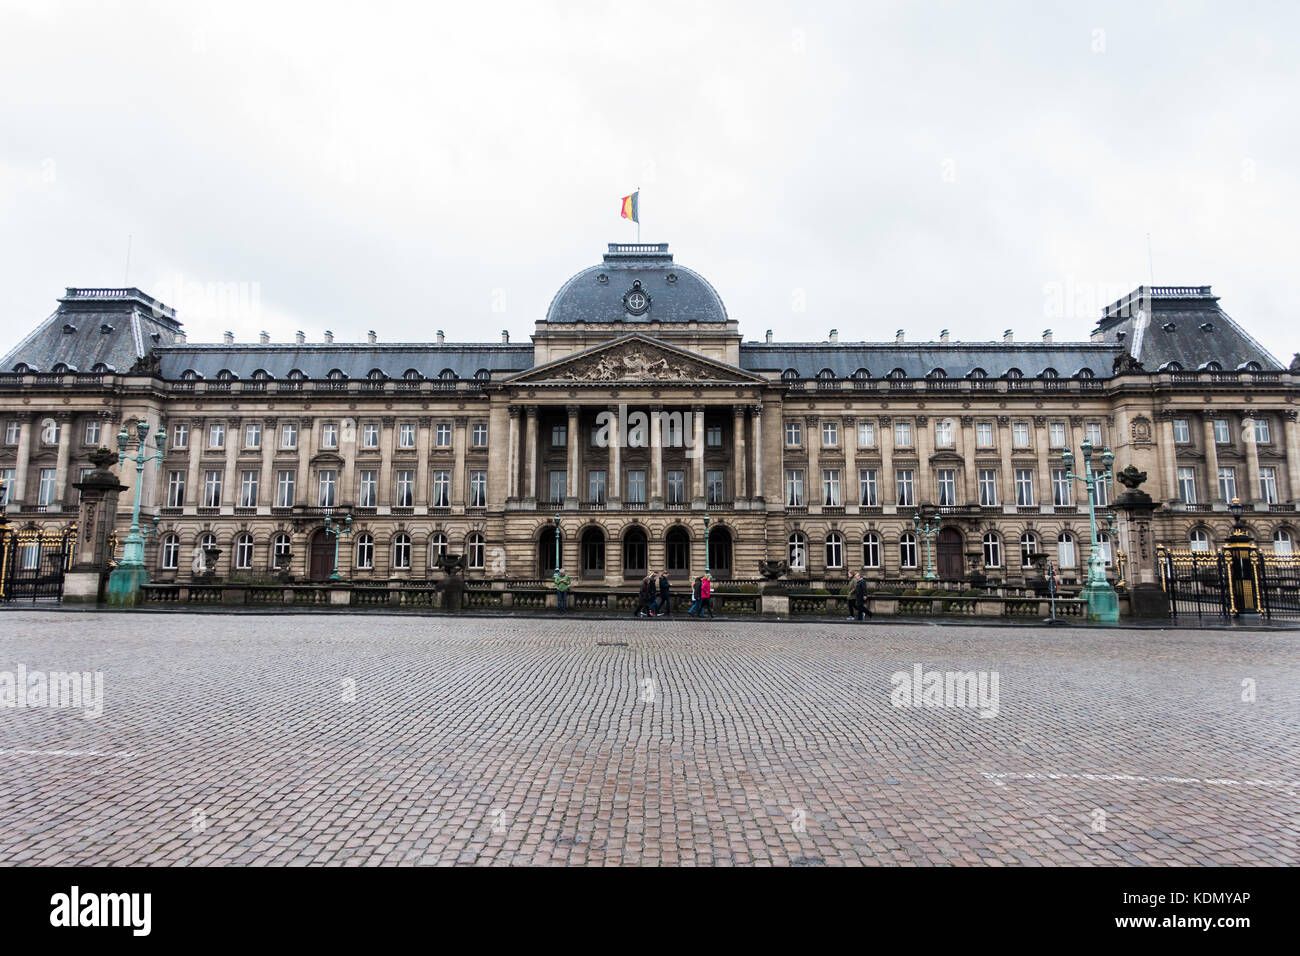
(630, 207)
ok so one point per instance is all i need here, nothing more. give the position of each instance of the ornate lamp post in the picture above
(557, 545)
(1243, 575)
(927, 529)
(1103, 604)
(706, 544)
(126, 579)
(338, 530)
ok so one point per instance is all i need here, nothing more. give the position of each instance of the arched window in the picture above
(1015, 373)
(1171, 367)
(1199, 540)
(907, 550)
(244, 552)
(376, 375)
(170, 559)
(977, 372)
(871, 550)
(591, 552)
(336, 375)
(677, 551)
(448, 375)
(1084, 372)
(634, 552)
(365, 552)
(835, 550)
(474, 547)
(789, 375)
(1050, 373)
(1251, 367)
(296, 375)
(437, 547)
(412, 375)
(862, 374)
(1212, 367)
(1066, 556)
(189, 375)
(1281, 541)
(992, 550)
(402, 552)
(825, 374)
(1028, 549)
(225, 375)
(482, 375)
(798, 552)
(207, 540)
(897, 373)
(280, 550)
(936, 373)
(100, 368)
(261, 375)
(1103, 547)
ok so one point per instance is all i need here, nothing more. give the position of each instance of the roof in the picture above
(602, 292)
(96, 327)
(919, 359)
(1159, 325)
(353, 360)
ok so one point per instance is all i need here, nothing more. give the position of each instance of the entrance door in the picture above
(322, 557)
(950, 554)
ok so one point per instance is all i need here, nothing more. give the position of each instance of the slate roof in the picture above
(919, 359)
(1183, 324)
(354, 360)
(91, 327)
(677, 294)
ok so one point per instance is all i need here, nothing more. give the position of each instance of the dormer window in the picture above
(296, 375)
(189, 375)
(482, 375)
(225, 375)
(825, 375)
(1206, 326)
(978, 373)
(105, 328)
(1169, 326)
(69, 329)
(861, 374)
(376, 375)
(1050, 373)
(261, 375)
(1084, 372)
(1015, 373)
(336, 375)
(789, 375)
(448, 375)
(936, 373)
(897, 374)
(412, 375)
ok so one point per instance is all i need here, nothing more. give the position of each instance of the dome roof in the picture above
(637, 282)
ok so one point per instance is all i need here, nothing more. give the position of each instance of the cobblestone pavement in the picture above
(350, 740)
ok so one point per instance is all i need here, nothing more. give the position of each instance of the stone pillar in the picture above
(571, 459)
(1043, 490)
(19, 495)
(1168, 458)
(301, 492)
(1292, 430)
(458, 476)
(266, 491)
(512, 455)
(813, 485)
(193, 473)
(423, 441)
(924, 449)
(1007, 485)
(849, 484)
(230, 479)
(61, 463)
(1133, 511)
(1211, 459)
(95, 519)
(740, 491)
(697, 453)
(970, 471)
(613, 494)
(888, 487)
(386, 489)
(756, 415)
(346, 489)
(1251, 493)
(656, 459)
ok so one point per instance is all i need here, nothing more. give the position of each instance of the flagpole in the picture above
(638, 215)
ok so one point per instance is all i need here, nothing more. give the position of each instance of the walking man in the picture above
(860, 593)
(695, 597)
(665, 599)
(561, 590)
(853, 595)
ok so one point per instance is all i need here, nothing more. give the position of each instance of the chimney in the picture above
(835, 336)
(769, 336)
(441, 337)
(1008, 337)
(263, 338)
(1047, 336)
(299, 337)
(505, 336)
(228, 338)
(898, 337)
(180, 338)
(329, 337)
(943, 336)
(1097, 336)
(371, 337)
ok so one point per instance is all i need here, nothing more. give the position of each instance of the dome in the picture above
(637, 282)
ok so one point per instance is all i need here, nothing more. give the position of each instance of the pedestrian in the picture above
(644, 598)
(695, 597)
(706, 596)
(860, 592)
(852, 591)
(665, 598)
(561, 591)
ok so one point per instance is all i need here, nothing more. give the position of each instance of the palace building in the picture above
(637, 412)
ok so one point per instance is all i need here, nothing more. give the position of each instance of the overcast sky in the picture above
(868, 167)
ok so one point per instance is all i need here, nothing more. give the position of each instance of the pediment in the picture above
(635, 358)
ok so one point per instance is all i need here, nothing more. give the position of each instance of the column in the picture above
(302, 493)
(1043, 479)
(887, 489)
(347, 484)
(1211, 459)
(230, 480)
(423, 441)
(1292, 453)
(385, 498)
(1251, 494)
(849, 483)
(615, 458)
(924, 449)
(697, 452)
(656, 458)
(1167, 460)
(194, 477)
(572, 464)
(740, 491)
(458, 477)
(61, 463)
(1007, 486)
(756, 415)
(971, 471)
(512, 455)
(266, 483)
(530, 453)
(19, 495)
(813, 488)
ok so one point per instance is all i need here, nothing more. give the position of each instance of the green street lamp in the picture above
(1103, 604)
(126, 579)
(927, 529)
(706, 545)
(338, 530)
(557, 545)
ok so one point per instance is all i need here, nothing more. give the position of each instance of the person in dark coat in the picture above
(645, 597)
(665, 606)
(860, 593)
(695, 597)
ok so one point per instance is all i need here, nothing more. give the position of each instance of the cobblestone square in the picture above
(360, 739)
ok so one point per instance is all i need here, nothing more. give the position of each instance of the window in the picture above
(1227, 484)
(713, 436)
(289, 435)
(793, 434)
(1262, 433)
(903, 435)
(365, 552)
(992, 550)
(478, 489)
(1281, 541)
(404, 489)
(175, 489)
(1221, 434)
(1028, 549)
(253, 435)
(830, 434)
(1199, 540)
(474, 548)
(284, 482)
(327, 481)
(834, 550)
(988, 485)
(1020, 435)
(713, 487)
(1065, 552)
(248, 489)
(798, 552)
(212, 489)
(180, 435)
(370, 435)
(831, 487)
(171, 553)
(1268, 485)
(794, 487)
(7, 491)
(1187, 485)
(437, 547)
(46, 492)
(903, 485)
(983, 434)
(13, 430)
(244, 552)
(329, 435)
(402, 552)
(907, 550)
(868, 488)
(406, 435)
(636, 487)
(947, 487)
(676, 488)
(559, 485)
(1056, 434)
(51, 431)
(367, 490)
(596, 487)
(92, 433)
(1182, 434)
(943, 434)
(866, 434)
(1092, 432)
(441, 489)
(442, 435)
(479, 435)
(1103, 547)
(871, 550)
(280, 552)
(1061, 491)
(1024, 487)
(216, 435)
(1101, 492)
(559, 436)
